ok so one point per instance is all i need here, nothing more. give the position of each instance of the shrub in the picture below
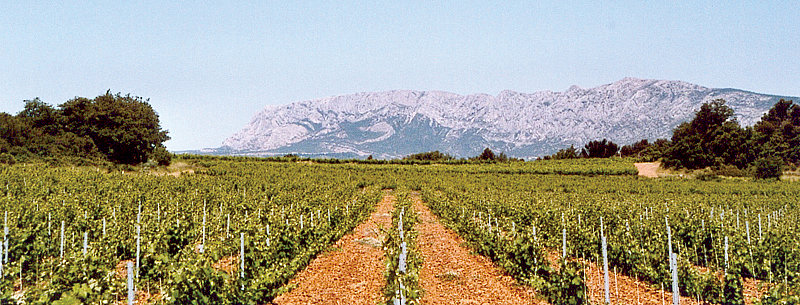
(730, 171)
(6, 158)
(768, 168)
(162, 156)
(706, 175)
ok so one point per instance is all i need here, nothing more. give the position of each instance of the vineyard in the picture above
(238, 231)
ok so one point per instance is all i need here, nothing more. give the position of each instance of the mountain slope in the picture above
(397, 123)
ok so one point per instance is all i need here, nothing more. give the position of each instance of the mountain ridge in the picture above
(395, 123)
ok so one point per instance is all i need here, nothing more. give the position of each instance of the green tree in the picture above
(124, 128)
(600, 149)
(712, 138)
(565, 153)
(634, 149)
(487, 155)
(41, 115)
(435, 156)
(14, 130)
(768, 168)
(778, 132)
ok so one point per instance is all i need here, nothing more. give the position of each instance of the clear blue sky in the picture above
(207, 68)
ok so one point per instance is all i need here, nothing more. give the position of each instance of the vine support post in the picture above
(85, 242)
(61, 255)
(564, 244)
(605, 270)
(676, 294)
(138, 248)
(131, 294)
(241, 258)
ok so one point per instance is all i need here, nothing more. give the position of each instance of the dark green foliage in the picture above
(644, 150)
(778, 132)
(732, 291)
(600, 149)
(635, 149)
(6, 158)
(565, 153)
(768, 168)
(124, 128)
(486, 155)
(566, 287)
(118, 128)
(198, 283)
(162, 156)
(427, 156)
(654, 151)
(730, 171)
(712, 138)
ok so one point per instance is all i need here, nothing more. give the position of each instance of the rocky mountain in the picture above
(397, 123)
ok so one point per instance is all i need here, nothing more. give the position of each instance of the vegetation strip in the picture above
(286, 222)
(403, 260)
(504, 209)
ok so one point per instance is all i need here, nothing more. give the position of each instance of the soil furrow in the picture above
(350, 273)
(451, 274)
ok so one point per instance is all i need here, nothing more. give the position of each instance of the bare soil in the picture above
(351, 273)
(648, 169)
(451, 274)
(227, 264)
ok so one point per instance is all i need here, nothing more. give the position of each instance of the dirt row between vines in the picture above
(350, 273)
(452, 274)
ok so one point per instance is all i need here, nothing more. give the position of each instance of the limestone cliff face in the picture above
(397, 123)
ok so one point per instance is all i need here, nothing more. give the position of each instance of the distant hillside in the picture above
(397, 123)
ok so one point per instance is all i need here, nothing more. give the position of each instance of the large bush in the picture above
(768, 168)
(123, 129)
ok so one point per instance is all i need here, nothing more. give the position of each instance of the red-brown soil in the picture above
(649, 169)
(351, 273)
(451, 274)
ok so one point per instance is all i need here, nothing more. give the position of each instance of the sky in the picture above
(207, 67)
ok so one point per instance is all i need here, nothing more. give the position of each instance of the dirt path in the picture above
(352, 273)
(649, 169)
(452, 275)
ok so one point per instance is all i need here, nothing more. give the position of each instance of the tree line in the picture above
(116, 128)
(714, 139)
